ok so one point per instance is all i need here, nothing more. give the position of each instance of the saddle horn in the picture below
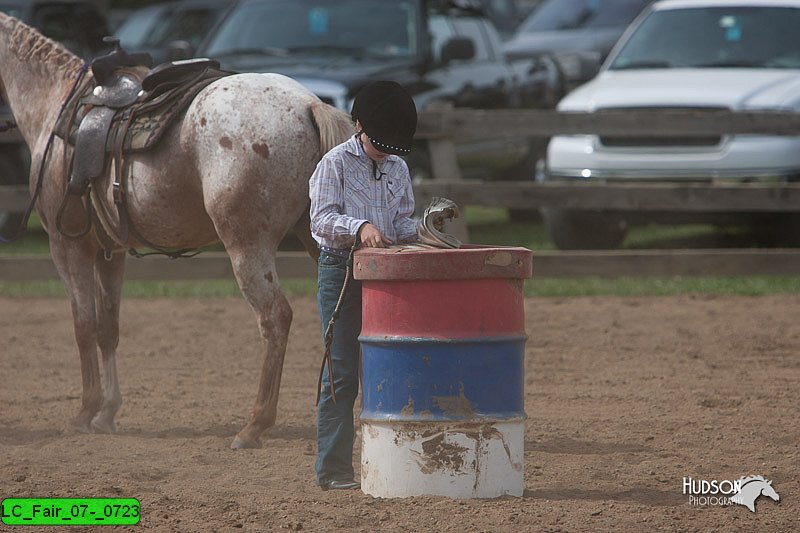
(103, 67)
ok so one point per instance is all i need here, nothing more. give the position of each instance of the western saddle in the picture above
(125, 107)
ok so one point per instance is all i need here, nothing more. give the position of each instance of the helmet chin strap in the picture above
(376, 172)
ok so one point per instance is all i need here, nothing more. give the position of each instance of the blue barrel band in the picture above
(443, 380)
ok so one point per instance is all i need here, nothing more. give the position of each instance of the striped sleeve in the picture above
(326, 189)
(405, 226)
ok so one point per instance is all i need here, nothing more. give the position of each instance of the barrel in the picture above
(443, 345)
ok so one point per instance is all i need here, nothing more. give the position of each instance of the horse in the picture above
(234, 169)
(751, 488)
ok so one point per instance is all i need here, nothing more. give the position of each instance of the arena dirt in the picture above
(625, 397)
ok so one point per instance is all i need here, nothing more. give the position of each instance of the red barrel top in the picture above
(468, 262)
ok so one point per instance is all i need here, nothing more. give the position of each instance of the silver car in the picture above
(740, 55)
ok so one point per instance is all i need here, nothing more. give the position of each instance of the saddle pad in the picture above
(151, 119)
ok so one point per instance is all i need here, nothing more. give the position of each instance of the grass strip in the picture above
(538, 287)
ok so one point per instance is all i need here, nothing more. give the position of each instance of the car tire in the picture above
(11, 173)
(584, 230)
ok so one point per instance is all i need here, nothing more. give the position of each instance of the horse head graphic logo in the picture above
(751, 488)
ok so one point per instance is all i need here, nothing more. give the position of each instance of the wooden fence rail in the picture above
(546, 264)
(465, 124)
(723, 197)
(695, 198)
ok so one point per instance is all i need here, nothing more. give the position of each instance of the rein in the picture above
(23, 226)
(326, 358)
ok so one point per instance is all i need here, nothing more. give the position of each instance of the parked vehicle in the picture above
(506, 15)
(170, 29)
(76, 24)
(579, 33)
(79, 26)
(336, 47)
(739, 55)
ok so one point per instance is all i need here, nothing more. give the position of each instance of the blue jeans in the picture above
(335, 431)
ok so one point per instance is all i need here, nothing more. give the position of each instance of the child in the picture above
(360, 190)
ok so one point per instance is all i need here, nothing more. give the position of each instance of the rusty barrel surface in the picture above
(443, 343)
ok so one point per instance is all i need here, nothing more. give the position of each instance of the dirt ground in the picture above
(625, 397)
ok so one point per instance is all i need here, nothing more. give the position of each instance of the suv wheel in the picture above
(584, 230)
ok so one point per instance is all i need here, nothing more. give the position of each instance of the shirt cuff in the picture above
(355, 225)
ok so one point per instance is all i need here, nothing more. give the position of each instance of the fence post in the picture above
(444, 165)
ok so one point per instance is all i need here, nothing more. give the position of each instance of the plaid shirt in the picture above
(345, 194)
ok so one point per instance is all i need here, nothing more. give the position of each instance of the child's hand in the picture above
(371, 237)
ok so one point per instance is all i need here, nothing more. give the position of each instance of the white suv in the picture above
(741, 55)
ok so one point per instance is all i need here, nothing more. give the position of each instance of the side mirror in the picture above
(578, 67)
(178, 50)
(458, 48)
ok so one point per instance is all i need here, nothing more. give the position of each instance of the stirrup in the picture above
(77, 187)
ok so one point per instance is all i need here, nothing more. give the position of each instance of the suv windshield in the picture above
(157, 26)
(574, 14)
(356, 28)
(724, 37)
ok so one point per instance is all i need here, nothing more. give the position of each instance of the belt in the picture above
(335, 251)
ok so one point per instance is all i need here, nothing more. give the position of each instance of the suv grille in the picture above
(656, 141)
(611, 141)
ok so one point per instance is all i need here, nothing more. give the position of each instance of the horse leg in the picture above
(255, 271)
(108, 274)
(74, 262)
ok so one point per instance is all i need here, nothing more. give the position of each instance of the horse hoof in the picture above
(82, 428)
(99, 426)
(243, 444)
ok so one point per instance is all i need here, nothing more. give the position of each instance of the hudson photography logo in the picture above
(743, 491)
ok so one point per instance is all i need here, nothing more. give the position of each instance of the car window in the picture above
(503, 13)
(759, 37)
(492, 36)
(575, 14)
(137, 27)
(182, 24)
(345, 27)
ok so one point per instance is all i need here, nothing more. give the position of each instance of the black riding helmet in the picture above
(387, 115)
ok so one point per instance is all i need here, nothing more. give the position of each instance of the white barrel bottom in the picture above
(458, 460)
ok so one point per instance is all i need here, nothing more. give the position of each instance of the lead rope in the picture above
(326, 358)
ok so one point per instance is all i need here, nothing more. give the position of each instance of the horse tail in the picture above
(302, 229)
(334, 125)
